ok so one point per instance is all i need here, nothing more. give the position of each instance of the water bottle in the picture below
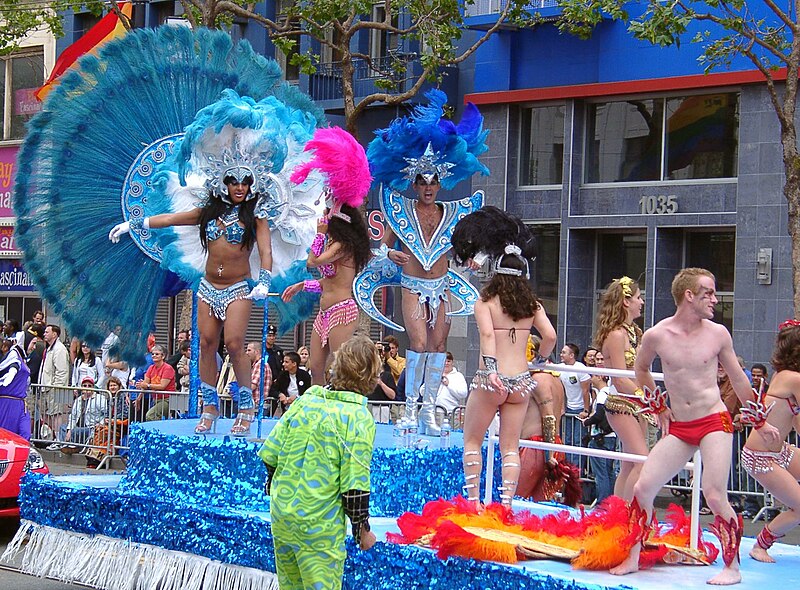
(397, 434)
(413, 431)
(403, 433)
(444, 435)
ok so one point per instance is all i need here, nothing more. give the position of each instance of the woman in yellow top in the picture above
(618, 339)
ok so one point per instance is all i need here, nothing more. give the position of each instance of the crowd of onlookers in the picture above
(85, 416)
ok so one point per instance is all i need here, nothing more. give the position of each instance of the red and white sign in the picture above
(25, 102)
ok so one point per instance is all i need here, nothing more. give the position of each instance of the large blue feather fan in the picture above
(407, 137)
(145, 86)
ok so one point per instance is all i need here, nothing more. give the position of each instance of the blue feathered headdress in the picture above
(426, 143)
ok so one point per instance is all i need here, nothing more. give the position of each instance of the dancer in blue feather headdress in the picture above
(88, 162)
(432, 153)
(235, 152)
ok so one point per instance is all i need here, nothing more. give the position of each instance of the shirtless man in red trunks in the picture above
(696, 418)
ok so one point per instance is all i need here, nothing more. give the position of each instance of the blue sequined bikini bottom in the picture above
(431, 292)
(219, 299)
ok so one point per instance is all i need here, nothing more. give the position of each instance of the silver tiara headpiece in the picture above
(512, 250)
(429, 166)
(238, 163)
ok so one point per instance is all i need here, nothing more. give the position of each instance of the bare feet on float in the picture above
(629, 566)
(726, 577)
(760, 554)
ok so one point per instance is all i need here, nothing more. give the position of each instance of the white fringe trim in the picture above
(115, 564)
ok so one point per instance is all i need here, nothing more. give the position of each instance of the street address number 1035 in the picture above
(658, 204)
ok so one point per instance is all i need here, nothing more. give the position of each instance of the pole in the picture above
(194, 362)
(263, 371)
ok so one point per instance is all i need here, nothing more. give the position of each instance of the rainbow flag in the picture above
(109, 27)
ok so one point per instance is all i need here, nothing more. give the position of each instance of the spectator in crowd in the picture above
(34, 350)
(578, 401)
(291, 382)
(759, 377)
(399, 409)
(386, 389)
(174, 359)
(159, 379)
(453, 390)
(139, 372)
(747, 372)
(253, 352)
(182, 366)
(86, 364)
(396, 362)
(318, 461)
(37, 317)
(618, 336)
(274, 351)
(54, 377)
(14, 377)
(589, 356)
(305, 354)
(12, 331)
(89, 409)
(601, 436)
(113, 428)
(109, 344)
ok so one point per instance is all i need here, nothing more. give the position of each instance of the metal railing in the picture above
(487, 7)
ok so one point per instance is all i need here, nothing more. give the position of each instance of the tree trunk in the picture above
(791, 190)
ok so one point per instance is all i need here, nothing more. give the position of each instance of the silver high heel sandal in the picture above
(208, 423)
(239, 428)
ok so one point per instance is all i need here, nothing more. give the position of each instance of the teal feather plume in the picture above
(72, 166)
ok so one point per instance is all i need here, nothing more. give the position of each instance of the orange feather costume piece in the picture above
(597, 540)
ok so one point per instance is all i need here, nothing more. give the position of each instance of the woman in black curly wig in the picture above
(340, 251)
(505, 314)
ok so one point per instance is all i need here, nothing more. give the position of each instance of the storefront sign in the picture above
(8, 159)
(8, 245)
(25, 102)
(13, 277)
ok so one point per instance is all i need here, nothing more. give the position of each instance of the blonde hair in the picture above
(356, 366)
(612, 312)
(685, 280)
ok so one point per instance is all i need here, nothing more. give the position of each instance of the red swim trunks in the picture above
(692, 432)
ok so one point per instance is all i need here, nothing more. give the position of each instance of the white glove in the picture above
(119, 230)
(259, 292)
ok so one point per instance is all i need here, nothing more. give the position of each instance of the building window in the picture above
(715, 251)
(662, 139)
(544, 272)
(620, 255)
(541, 158)
(624, 141)
(21, 74)
(702, 136)
(381, 42)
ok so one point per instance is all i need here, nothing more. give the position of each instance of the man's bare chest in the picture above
(429, 220)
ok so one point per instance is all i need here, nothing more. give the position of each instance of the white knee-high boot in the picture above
(434, 367)
(415, 371)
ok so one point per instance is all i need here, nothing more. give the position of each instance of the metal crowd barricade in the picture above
(50, 409)
(694, 466)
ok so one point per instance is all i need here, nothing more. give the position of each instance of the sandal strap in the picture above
(245, 417)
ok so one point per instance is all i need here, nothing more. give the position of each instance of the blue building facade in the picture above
(627, 159)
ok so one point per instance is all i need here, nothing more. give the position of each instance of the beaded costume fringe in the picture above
(111, 564)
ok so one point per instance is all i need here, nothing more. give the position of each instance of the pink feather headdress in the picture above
(342, 159)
